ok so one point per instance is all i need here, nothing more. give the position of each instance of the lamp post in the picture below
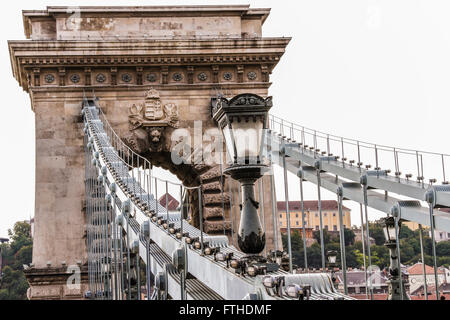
(391, 228)
(331, 255)
(242, 120)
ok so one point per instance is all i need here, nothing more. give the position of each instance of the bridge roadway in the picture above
(208, 279)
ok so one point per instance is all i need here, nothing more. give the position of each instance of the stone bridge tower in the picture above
(184, 54)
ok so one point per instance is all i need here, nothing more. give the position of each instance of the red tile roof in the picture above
(310, 205)
(173, 203)
(418, 269)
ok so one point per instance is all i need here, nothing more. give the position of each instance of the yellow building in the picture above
(411, 224)
(330, 215)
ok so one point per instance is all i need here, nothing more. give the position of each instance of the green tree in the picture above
(349, 236)
(443, 249)
(326, 236)
(376, 232)
(15, 254)
(375, 260)
(14, 285)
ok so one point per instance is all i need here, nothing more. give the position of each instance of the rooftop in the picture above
(357, 278)
(173, 203)
(418, 269)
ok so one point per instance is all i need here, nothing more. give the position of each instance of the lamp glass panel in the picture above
(332, 259)
(229, 142)
(247, 136)
(385, 231)
(392, 234)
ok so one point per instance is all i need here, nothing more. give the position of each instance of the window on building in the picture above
(296, 223)
(317, 228)
(281, 223)
(296, 215)
(325, 214)
(326, 228)
(334, 214)
(281, 215)
(335, 228)
(316, 215)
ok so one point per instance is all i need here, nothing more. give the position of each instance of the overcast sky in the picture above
(372, 70)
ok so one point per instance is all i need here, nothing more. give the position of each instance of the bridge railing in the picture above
(425, 167)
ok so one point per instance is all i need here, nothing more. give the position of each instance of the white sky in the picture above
(372, 70)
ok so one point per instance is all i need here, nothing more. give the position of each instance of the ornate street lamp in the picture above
(331, 255)
(242, 121)
(396, 282)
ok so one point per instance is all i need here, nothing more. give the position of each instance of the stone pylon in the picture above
(185, 54)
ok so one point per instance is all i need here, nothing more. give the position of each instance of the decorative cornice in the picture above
(28, 55)
(146, 60)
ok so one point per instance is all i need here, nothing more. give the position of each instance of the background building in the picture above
(356, 284)
(416, 277)
(440, 235)
(173, 203)
(330, 215)
(358, 235)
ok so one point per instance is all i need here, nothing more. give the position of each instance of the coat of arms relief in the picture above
(152, 113)
(148, 120)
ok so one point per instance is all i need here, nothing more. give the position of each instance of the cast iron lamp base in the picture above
(251, 237)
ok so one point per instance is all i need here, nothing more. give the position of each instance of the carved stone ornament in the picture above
(151, 77)
(177, 76)
(100, 77)
(75, 78)
(126, 77)
(152, 113)
(227, 76)
(49, 78)
(251, 75)
(202, 76)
